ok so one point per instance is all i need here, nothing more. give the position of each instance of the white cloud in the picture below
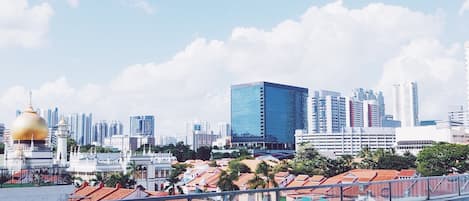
(143, 5)
(464, 7)
(73, 3)
(23, 25)
(438, 70)
(330, 47)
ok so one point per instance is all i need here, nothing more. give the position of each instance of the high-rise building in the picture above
(390, 122)
(142, 125)
(266, 114)
(406, 108)
(224, 129)
(2, 132)
(326, 112)
(80, 127)
(100, 131)
(466, 47)
(371, 114)
(377, 98)
(116, 128)
(197, 126)
(198, 133)
(354, 112)
(51, 116)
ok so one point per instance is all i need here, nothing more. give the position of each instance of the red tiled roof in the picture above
(119, 194)
(282, 174)
(243, 179)
(407, 173)
(101, 193)
(209, 178)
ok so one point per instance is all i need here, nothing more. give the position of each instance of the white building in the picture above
(202, 140)
(377, 98)
(127, 143)
(406, 107)
(326, 112)
(349, 141)
(62, 135)
(466, 47)
(165, 140)
(151, 169)
(224, 129)
(414, 139)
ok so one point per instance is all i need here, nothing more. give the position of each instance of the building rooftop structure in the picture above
(99, 192)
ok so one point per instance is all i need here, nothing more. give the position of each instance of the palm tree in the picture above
(132, 169)
(257, 182)
(123, 179)
(99, 178)
(225, 183)
(264, 169)
(173, 180)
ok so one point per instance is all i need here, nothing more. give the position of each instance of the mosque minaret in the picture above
(62, 136)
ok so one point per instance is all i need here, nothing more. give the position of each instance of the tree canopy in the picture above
(443, 159)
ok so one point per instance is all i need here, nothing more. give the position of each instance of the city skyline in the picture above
(189, 77)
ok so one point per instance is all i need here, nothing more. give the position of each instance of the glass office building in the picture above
(266, 115)
(142, 125)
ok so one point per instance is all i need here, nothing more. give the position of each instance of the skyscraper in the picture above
(377, 102)
(142, 125)
(224, 129)
(354, 112)
(466, 47)
(51, 116)
(116, 128)
(100, 131)
(372, 114)
(80, 127)
(326, 112)
(2, 131)
(266, 114)
(406, 108)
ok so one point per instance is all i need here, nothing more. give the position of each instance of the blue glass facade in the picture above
(267, 114)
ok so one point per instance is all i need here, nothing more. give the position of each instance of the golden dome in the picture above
(29, 125)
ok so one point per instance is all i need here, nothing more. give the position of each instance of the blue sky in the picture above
(94, 49)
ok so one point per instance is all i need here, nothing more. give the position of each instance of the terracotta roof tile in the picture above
(119, 194)
(101, 193)
(407, 173)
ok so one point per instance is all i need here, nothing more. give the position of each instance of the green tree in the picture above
(203, 153)
(307, 161)
(225, 183)
(132, 169)
(173, 185)
(4, 176)
(123, 179)
(265, 170)
(394, 162)
(99, 178)
(282, 166)
(257, 182)
(2, 148)
(238, 167)
(443, 159)
(213, 164)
